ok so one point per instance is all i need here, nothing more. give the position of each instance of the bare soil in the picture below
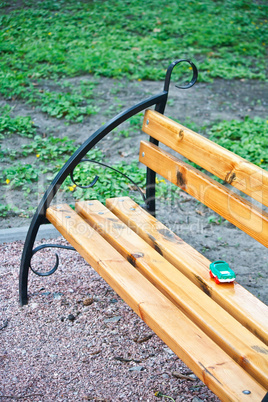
(58, 349)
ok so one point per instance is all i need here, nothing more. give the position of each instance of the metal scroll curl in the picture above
(41, 247)
(94, 181)
(170, 69)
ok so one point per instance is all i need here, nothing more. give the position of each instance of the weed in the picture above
(8, 154)
(8, 209)
(41, 46)
(19, 175)
(109, 184)
(247, 138)
(227, 39)
(21, 125)
(49, 148)
(71, 105)
(217, 220)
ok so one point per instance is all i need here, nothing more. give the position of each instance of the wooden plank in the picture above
(238, 172)
(219, 325)
(240, 303)
(214, 195)
(213, 366)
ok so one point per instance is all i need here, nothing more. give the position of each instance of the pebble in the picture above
(57, 295)
(193, 376)
(169, 351)
(71, 317)
(113, 301)
(45, 293)
(196, 399)
(136, 368)
(88, 301)
(113, 319)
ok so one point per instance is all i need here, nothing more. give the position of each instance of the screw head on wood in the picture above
(143, 154)
(246, 392)
(147, 122)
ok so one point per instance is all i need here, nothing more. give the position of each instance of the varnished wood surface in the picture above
(238, 172)
(213, 366)
(214, 195)
(240, 303)
(220, 326)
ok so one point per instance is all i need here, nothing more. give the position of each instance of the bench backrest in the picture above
(234, 170)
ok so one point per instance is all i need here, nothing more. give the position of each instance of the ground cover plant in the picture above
(248, 138)
(20, 125)
(45, 44)
(228, 39)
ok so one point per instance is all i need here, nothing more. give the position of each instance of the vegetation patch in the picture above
(247, 138)
(49, 39)
(20, 125)
(44, 44)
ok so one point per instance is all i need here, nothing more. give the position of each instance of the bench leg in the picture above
(265, 399)
(28, 253)
(26, 260)
(151, 175)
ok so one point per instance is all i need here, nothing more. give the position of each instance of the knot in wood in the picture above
(181, 134)
(230, 177)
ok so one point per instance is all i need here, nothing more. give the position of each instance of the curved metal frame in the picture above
(54, 269)
(96, 178)
(39, 218)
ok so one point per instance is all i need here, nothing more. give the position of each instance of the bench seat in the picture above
(219, 331)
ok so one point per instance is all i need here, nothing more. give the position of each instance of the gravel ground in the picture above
(77, 340)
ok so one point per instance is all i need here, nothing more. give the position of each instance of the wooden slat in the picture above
(219, 325)
(214, 195)
(240, 303)
(238, 172)
(213, 366)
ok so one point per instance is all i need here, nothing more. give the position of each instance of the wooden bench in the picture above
(219, 331)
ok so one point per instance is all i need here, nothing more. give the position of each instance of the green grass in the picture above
(109, 184)
(23, 126)
(247, 138)
(44, 44)
(49, 148)
(46, 41)
(134, 39)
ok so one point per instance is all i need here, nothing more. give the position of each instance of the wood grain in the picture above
(213, 366)
(238, 172)
(214, 195)
(220, 326)
(240, 303)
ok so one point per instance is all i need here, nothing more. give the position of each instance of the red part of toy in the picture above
(217, 280)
